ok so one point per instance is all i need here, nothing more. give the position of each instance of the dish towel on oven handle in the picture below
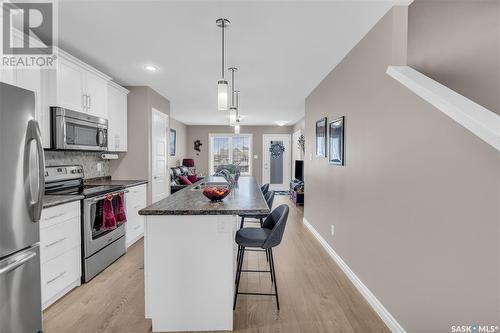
(120, 210)
(108, 215)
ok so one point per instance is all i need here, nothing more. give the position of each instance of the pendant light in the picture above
(237, 125)
(233, 109)
(222, 86)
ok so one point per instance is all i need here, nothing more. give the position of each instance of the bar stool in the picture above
(267, 237)
(269, 197)
(264, 188)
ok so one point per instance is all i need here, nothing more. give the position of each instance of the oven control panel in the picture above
(63, 172)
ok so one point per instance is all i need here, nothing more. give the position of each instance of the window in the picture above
(231, 149)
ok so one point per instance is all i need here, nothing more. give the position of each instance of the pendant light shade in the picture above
(222, 86)
(232, 116)
(237, 105)
(222, 94)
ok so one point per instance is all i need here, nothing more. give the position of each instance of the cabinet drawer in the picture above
(59, 238)
(57, 214)
(59, 273)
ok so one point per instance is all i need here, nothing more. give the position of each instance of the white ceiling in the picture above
(283, 49)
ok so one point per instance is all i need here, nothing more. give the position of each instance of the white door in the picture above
(160, 182)
(96, 88)
(70, 85)
(276, 161)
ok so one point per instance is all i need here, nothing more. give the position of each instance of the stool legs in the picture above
(238, 275)
(272, 271)
(242, 222)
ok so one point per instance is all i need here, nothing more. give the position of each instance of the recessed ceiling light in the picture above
(151, 68)
(281, 122)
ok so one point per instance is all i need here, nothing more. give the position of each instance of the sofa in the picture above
(175, 183)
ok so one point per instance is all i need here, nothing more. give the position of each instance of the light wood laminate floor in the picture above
(315, 295)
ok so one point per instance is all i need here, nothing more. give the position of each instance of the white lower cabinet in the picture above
(135, 201)
(60, 246)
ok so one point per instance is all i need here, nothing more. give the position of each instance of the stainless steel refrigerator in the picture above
(21, 200)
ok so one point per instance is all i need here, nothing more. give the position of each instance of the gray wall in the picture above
(136, 162)
(195, 132)
(415, 207)
(181, 140)
(457, 44)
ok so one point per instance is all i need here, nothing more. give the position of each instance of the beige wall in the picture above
(457, 44)
(201, 132)
(136, 162)
(181, 140)
(415, 207)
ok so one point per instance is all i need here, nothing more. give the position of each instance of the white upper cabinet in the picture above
(31, 79)
(117, 117)
(8, 76)
(79, 87)
(70, 86)
(96, 88)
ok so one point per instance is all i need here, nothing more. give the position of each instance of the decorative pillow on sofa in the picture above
(184, 180)
(193, 178)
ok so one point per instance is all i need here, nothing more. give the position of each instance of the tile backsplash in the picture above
(89, 161)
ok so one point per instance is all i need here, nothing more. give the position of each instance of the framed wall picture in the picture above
(321, 138)
(336, 141)
(173, 137)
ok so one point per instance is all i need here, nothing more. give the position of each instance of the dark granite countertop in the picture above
(108, 181)
(247, 198)
(54, 200)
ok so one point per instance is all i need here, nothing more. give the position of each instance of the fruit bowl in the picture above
(216, 193)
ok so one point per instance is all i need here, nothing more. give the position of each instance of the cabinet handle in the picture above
(137, 227)
(90, 101)
(84, 101)
(55, 278)
(55, 242)
(54, 216)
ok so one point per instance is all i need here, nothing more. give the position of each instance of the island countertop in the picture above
(246, 198)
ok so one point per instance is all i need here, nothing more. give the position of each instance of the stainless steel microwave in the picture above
(73, 130)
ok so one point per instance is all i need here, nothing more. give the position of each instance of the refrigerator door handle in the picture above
(18, 261)
(36, 204)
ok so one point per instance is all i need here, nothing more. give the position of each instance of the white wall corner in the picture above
(482, 122)
(377, 306)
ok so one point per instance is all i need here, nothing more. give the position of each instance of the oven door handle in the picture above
(112, 194)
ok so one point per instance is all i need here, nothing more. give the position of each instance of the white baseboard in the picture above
(384, 314)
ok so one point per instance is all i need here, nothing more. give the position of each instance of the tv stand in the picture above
(296, 194)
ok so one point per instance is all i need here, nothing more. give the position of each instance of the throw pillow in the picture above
(184, 180)
(193, 178)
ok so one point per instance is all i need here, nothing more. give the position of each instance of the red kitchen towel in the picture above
(108, 216)
(120, 209)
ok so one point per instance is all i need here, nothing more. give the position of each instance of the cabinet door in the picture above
(70, 84)
(117, 119)
(31, 79)
(8, 76)
(97, 89)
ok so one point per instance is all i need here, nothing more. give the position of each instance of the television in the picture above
(299, 170)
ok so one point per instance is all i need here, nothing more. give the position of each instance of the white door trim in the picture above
(152, 152)
(287, 174)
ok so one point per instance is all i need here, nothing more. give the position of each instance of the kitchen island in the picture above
(190, 255)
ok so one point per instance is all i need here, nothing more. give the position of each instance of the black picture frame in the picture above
(336, 141)
(173, 138)
(321, 141)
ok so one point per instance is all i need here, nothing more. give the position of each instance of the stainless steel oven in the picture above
(101, 247)
(73, 130)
